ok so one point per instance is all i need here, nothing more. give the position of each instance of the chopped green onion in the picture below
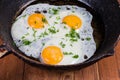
(88, 39)
(64, 22)
(65, 27)
(43, 34)
(23, 37)
(73, 35)
(71, 45)
(73, 40)
(56, 22)
(58, 17)
(26, 42)
(67, 53)
(59, 8)
(62, 45)
(34, 33)
(44, 20)
(55, 11)
(53, 30)
(73, 11)
(75, 56)
(24, 15)
(43, 44)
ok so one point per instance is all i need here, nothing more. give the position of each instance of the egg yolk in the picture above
(37, 20)
(52, 55)
(72, 21)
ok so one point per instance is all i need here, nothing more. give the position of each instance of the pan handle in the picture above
(4, 50)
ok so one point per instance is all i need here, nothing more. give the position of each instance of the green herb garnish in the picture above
(53, 30)
(62, 45)
(49, 10)
(56, 22)
(13, 43)
(58, 18)
(73, 7)
(65, 27)
(73, 35)
(75, 56)
(44, 20)
(59, 8)
(55, 11)
(64, 22)
(43, 44)
(43, 34)
(73, 11)
(88, 39)
(23, 37)
(67, 53)
(50, 16)
(24, 15)
(34, 33)
(26, 34)
(26, 42)
(58, 30)
(73, 40)
(71, 45)
(85, 31)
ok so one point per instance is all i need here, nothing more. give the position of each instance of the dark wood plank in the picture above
(67, 75)
(117, 55)
(79, 75)
(11, 68)
(33, 73)
(89, 73)
(108, 68)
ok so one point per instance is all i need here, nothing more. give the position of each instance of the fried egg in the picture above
(55, 35)
(60, 51)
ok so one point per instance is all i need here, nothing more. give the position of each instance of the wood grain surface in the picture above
(12, 68)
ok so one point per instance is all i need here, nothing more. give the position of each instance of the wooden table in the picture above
(12, 68)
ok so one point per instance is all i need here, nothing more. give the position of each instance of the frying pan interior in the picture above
(102, 27)
(97, 24)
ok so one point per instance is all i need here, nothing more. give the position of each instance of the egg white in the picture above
(83, 47)
(75, 49)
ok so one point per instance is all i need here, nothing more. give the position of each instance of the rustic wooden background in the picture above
(12, 68)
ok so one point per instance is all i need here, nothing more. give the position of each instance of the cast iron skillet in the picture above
(106, 24)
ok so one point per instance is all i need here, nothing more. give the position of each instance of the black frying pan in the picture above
(106, 25)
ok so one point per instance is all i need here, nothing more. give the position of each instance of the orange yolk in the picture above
(36, 20)
(72, 21)
(52, 55)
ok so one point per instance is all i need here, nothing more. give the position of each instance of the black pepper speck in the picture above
(27, 27)
(67, 8)
(19, 40)
(82, 39)
(85, 57)
(44, 11)
(37, 12)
